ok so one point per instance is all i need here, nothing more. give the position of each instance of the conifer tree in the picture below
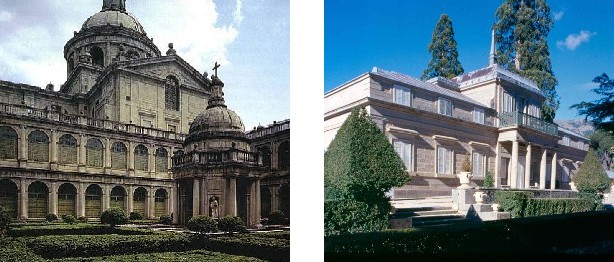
(521, 32)
(591, 178)
(444, 61)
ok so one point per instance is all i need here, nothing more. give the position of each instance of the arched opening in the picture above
(119, 156)
(38, 146)
(94, 153)
(171, 93)
(139, 203)
(265, 152)
(283, 153)
(141, 158)
(67, 149)
(9, 197)
(265, 202)
(284, 200)
(161, 160)
(118, 198)
(93, 201)
(97, 56)
(38, 194)
(67, 204)
(160, 202)
(8, 143)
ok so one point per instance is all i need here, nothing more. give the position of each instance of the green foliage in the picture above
(600, 111)
(344, 216)
(69, 219)
(520, 204)
(444, 61)
(202, 224)
(82, 219)
(277, 217)
(166, 219)
(5, 221)
(512, 201)
(14, 250)
(135, 216)
(74, 229)
(591, 178)
(602, 142)
(488, 180)
(231, 224)
(113, 216)
(521, 32)
(361, 165)
(194, 255)
(51, 217)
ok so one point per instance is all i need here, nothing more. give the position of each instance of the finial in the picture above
(215, 67)
(171, 51)
(491, 58)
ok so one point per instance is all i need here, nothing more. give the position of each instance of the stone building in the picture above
(491, 114)
(107, 137)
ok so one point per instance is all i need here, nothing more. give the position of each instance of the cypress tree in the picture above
(591, 178)
(521, 31)
(444, 61)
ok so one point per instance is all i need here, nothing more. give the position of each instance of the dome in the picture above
(217, 119)
(114, 18)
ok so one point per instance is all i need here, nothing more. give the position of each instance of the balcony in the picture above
(519, 119)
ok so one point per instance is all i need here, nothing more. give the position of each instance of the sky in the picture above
(393, 35)
(249, 38)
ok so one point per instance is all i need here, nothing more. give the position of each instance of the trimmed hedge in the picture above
(252, 245)
(195, 255)
(113, 216)
(14, 250)
(65, 229)
(5, 221)
(519, 204)
(202, 224)
(231, 224)
(351, 216)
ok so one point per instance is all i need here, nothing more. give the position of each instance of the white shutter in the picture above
(407, 97)
(440, 159)
(407, 157)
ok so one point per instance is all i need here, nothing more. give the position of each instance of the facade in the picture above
(491, 114)
(119, 130)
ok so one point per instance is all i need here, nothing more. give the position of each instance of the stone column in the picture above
(514, 171)
(151, 202)
(130, 200)
(23, 200)
(527, 167)
(81, 200)
(106, 197)
(107, 156)
(53, 198)
(497, 177)
(130, 158)
(151, 162)
(203, 197)
(231, 198)
(542, 170)
(195, 196)
(81, 155)
(553, 172)
(54, 150)
(274, 198)
(173, 202)
(23, 153)
(258, 201)
(169, 159)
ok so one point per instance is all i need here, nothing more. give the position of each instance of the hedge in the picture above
(252, 245)
(519, 204)
(195, 255)
(350, 216)
(66, 229)
(14, 250)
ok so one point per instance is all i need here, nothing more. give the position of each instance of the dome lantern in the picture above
(114, 5)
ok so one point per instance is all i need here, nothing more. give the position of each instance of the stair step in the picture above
(413, 213)
(439, 222)
(420, 209)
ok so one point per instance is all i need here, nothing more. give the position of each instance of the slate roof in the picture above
(408, 80)
(496, 71)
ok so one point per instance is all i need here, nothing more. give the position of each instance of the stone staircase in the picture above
(424, 212)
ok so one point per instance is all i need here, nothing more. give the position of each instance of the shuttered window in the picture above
(405, 151)
(444, 160)
(402, 95)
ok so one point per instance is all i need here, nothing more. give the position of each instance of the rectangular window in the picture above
(477, 162)
(580, 145)
(478, 115)
(405, 151)
(444, 160)
(172, 128)
(566, 140)
(445, 107)
(402, 95)
(508, 103)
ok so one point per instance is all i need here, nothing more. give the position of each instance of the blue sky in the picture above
(393, 35)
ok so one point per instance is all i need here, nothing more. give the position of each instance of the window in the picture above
(444, 160)
(171, 93)
(405, 151)
(8, 143)
(141, 158)
(38, 146)
(161, 160)
(478, 115)
(97, 56)
(477, 163)
(445, 107)
(508, 103)
(67, 149)
(146, 123)
(119, 156)
(172, 128)
(580, 145)
(93, 153)
(402, 95)
(566, 141)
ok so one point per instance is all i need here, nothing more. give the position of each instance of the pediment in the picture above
(162, 67)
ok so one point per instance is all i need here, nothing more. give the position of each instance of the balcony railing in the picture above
(519, 119)
(219, 157)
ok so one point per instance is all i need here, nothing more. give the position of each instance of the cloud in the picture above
(5, 16)
(238, 16)
(589, 86)
(558, 15)
(574, 40)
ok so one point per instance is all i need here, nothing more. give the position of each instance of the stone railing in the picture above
(218, 157)
(520, 119)
(26, 111)
(272, 129)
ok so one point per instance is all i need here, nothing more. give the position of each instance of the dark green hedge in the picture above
(519, 204)
(351, 216)
(251, 245)
(35, 231)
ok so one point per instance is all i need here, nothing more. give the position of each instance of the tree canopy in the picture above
(521, 31)
(591, 178)
(600, 111)
(444, 61)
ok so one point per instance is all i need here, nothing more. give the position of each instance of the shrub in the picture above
(113, 216)
(488, 180)
(351, 216)
(591, 178)
(69, 219)
(512, 201)
(276, 217)
(166, 219)
(51, 217)
(202, 224)
(82, 219)
(5, 221)
(135, 216)
(231, 224)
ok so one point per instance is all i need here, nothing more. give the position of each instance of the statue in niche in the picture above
(214, 208)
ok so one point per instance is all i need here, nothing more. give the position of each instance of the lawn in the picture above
(90, 242)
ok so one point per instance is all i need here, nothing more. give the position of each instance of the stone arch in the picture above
(283, 155)
(93, 201)
(139, 199)
(141, 158)
(161, 159)
(38, 200)
(265, 202)
(119, 156)
(94, 152)
(67, 149)
(97, 56)
(67, 200)
(9, 196)
(171, 93)
(265, 152)
(118, 197)
(284, 199)
(8, 142)
(38, 146)
(160, 200)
